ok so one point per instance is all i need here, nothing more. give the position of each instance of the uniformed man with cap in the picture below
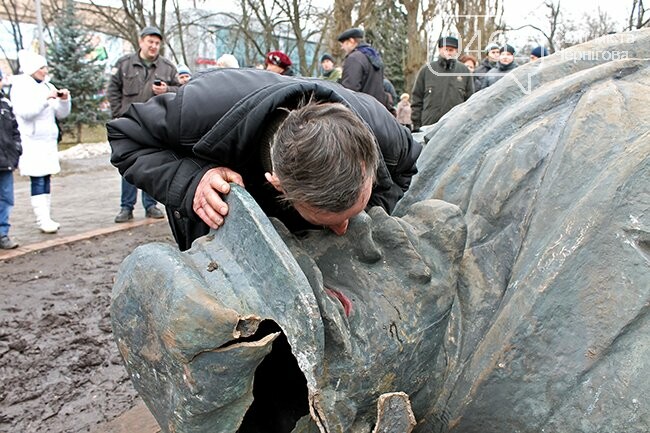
(440, 85)
(136, 78)
(363, 68)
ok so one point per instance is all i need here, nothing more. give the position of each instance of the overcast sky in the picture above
(518, 12)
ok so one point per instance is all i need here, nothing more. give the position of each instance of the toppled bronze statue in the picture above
(509, 292)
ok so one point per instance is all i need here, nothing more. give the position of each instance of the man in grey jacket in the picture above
(136, 78)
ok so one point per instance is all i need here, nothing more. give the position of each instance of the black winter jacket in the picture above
(480, 71)
(363, 71)
(496, 73)
(434, 94)
(165, 146)
(10, 143)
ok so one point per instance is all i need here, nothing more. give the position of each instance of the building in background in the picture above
(206, 35)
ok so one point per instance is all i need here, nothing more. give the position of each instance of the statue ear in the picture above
(273, 180)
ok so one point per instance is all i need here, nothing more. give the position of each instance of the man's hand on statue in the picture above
(208, 202)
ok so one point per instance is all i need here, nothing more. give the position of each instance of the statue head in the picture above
(249, 327)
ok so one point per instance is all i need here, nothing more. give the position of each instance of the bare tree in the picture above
(181, 29)
(259, 24)
(557, 33)
(477, 22)
(307, 23)
(288, 25)
(184, 28)
(597, 25)
(417, 36)
(364, 14)
(131, 18)
(189, 31)
(14, 13)
(638, 18)
(342, 14)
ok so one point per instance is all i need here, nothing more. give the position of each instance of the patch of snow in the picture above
(85, 150)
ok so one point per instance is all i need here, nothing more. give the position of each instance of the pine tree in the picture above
(71, 69)
(388, 36)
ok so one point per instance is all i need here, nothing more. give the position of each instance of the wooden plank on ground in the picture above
(56, 241)
(135, 420)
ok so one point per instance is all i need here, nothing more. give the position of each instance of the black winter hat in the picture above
(351, 33)
(508, 48)
(448, 41)
(539, 51)
(326, 57)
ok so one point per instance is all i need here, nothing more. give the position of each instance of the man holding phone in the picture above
(138, 77)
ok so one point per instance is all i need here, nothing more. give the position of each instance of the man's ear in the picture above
(273, 180)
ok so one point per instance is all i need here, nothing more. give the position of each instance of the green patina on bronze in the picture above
(509, 292)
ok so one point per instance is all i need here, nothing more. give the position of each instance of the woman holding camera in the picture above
(37, 105)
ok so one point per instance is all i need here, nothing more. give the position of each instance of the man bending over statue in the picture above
(311, 153)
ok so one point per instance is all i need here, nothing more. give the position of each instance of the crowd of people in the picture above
(30, 133)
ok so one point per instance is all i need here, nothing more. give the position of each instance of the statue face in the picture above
(241, 331)
(384, 292)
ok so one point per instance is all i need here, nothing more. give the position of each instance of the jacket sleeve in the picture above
(27, 104)
(61, 107)
(398, 149)
(172, 82)
(114, 92)
(469, 87)
(146, 150)
(487, 80)
(417, 97)
(15, 132)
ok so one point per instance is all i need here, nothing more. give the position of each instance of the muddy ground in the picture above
(60, 369)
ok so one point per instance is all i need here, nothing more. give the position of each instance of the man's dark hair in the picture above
(323, 153)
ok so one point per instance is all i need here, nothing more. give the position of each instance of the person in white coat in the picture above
(37, 105)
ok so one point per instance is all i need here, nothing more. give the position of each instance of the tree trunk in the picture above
(342, 21)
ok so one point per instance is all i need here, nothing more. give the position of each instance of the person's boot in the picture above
(6, 243)
(48, 200)
(125, 215)
(154, 212)
(42, 212)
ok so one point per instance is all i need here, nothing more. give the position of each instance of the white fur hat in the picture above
(30, 62)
